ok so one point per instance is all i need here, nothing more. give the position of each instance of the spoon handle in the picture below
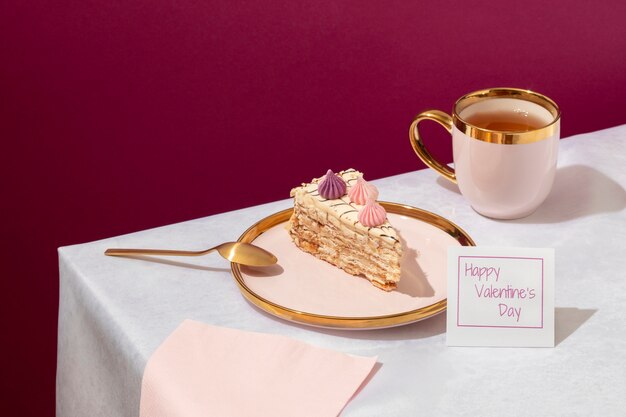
(164, 252)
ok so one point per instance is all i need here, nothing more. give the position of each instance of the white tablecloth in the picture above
(114, 312)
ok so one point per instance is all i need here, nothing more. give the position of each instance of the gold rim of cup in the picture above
(501, 137)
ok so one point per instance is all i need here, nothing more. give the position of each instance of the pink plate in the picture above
(308, 290)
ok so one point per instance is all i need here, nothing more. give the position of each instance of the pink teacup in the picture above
(505, 144)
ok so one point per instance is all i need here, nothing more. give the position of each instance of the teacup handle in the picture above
(418, 146)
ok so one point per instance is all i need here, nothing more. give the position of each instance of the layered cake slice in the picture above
(337, 219)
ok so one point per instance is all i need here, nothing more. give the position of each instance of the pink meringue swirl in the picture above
(332, 186)
(361, 191)
(373, 214)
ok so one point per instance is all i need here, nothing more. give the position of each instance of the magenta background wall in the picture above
(117, 116)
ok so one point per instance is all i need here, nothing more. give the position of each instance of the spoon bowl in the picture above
(237, 252)
(246, 254)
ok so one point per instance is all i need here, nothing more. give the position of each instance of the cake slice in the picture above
(333, 228)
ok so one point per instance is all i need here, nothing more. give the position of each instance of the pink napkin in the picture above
(203, 370)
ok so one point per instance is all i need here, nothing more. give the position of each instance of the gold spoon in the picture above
(237, 252)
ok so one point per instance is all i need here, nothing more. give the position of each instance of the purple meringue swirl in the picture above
(331, 186)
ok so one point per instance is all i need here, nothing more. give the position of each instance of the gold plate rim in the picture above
(338, 322)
